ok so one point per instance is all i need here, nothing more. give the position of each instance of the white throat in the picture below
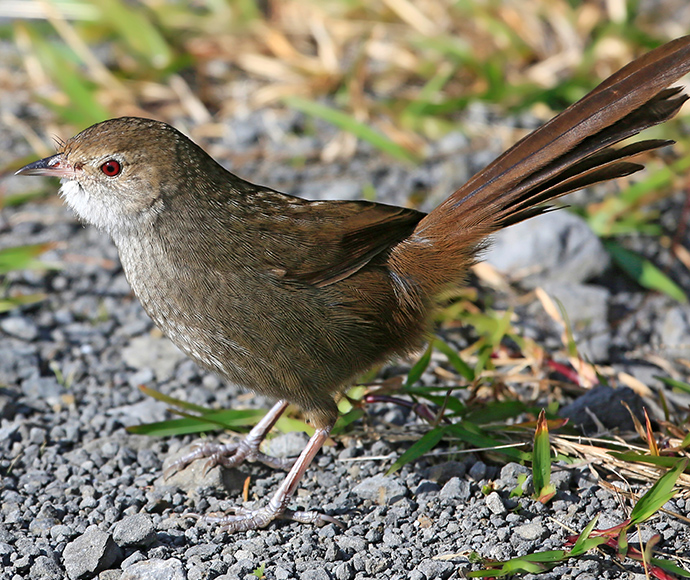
(93, 209)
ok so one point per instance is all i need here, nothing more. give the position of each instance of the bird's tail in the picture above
(570, 152)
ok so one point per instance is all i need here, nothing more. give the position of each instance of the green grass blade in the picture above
(228, 419)
(644, 272)
(658, 460)
(454, 359)
(290, 425)
(347, 419)
(348, 123)
(435, 85)
(61, 64)
(23, 258)
(497, 411)
(425, 444)
(584, 534)
(174, 402)
(470, 433)
(612, 216)
(661, 492)
(135, 30)
(670, 567)
(17, 301)
(419, 367)
(541, 461)
(675, 384)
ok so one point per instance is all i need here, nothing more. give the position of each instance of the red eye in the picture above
(111, 168)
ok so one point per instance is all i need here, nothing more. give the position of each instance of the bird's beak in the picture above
(53, 166)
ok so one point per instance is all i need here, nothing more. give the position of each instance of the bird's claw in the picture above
(228, 455)
(243, 519)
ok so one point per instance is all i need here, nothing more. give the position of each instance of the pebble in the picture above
(604, 403)
(287, 444)
(381, 489)
(20, 326)
(90, 553)
(155, 569)
(158, 354)
(552, 247)
(495, 504)
(478, 471)
(531, 531)
(443, 472)
(134, 530)
(436, 568)
(455, 489)
(674, 331)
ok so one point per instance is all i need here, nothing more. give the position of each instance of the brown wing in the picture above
(344, 236)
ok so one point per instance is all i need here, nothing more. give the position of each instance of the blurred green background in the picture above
(402, 69)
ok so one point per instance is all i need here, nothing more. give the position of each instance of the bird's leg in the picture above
(244, 519)
(231, 455)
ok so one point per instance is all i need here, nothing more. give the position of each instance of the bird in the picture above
(294, 299)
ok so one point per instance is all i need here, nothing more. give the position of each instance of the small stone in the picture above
(436, 568)
(42, 526)
(20, 327)
(314, 574)
(90, 553)
(45, 568)
(456, 488)
(561, 479)
(37, 436)
(495, 504)
(155, 569)
(158, 354)
(61, 532)
(511, 474)
(478, 471)
(444, 472)
(132, 559)
(557, 246)
(674, 331)
(110, 575)
(602, 407)
(344, 571)
(381, 489)
(352, 544)
(287, 445)
(427, 487)
(134, 530)
(587, 308)
(42, 391)
(531, 531)
(196, 476)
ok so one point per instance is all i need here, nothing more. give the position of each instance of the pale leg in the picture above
(244, 519)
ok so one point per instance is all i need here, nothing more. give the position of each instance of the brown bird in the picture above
(293, 298)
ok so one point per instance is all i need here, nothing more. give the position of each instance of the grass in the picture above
(398, 75)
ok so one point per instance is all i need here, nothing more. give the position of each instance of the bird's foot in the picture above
(231, 455)
(227, 455)
(243, 519)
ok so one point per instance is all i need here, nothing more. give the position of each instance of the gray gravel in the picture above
(80, 498)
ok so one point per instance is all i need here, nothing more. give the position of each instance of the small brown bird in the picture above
(293, 298)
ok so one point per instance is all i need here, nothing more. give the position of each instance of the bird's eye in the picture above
(111, 168)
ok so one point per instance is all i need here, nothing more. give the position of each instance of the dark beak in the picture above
(53, 166)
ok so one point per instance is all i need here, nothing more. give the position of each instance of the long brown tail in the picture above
(568, 153)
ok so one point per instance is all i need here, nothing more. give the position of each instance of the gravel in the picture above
(81, 498)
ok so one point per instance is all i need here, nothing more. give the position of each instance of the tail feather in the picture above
(570, 152)
(601, 166)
